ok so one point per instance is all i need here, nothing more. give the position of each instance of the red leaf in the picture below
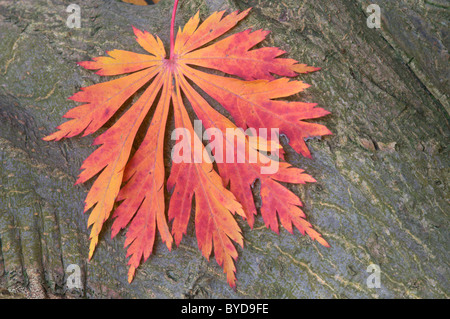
(137, 183)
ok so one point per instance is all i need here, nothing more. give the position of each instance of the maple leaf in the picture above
(252, 97)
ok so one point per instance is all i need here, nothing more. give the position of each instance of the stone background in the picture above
(383, 177)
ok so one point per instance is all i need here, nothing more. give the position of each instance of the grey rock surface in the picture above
(382, 192)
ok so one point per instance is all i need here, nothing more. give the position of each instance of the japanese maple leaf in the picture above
(252, 97)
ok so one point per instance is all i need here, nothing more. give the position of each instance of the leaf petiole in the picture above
(172, 27)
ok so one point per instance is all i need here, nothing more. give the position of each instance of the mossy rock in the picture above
(381, 195)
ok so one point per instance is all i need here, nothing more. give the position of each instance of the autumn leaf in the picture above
(252, 96)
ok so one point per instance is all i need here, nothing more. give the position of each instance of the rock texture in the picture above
(383, 177)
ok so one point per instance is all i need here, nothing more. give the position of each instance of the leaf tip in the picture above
(309, 178)
(131, 273)
(303, 68)
(135, 30)
(84, 64)
(326, 130)
(48, 138)
(114, 231)
(323, 242)
(94, 241)
(245, 12)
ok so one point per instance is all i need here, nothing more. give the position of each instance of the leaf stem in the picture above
(172, 27)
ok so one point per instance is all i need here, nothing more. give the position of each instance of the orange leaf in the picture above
(253, 100)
